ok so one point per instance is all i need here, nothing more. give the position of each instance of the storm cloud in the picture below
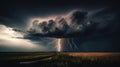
(76, 24)
(82, 31)
(50, 25)
(63, 26)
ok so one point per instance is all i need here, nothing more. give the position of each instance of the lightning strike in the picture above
(59, 45)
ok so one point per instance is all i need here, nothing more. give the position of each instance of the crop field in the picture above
(60, 59)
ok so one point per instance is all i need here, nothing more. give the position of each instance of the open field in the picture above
(60, 59)
(19, 56)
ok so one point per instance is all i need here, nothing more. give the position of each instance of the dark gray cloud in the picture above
(99, 32)
(102, 35)
(60, 27)
(77, 24)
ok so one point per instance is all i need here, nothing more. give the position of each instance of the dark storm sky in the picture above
(102, 37)
(16, 12)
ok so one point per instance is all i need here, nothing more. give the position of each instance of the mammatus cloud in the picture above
(13, 40)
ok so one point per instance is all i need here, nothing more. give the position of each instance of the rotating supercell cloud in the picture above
(75, 26)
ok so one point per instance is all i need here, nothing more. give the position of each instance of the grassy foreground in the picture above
(62, 59)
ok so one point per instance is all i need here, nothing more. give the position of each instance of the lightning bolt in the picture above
(59, 45)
